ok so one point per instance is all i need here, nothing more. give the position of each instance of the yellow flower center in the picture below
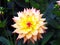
(28, 23)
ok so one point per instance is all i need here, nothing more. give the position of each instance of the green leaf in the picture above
(55, 42)
(26, 0)
(57, 35)
(20, 42)
(9, 0)
(34, 4)
(4, 41)
(54, 24)
(2, 24)
(21, 3)
(30, 43)
(47, 37)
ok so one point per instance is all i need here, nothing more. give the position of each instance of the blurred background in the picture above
(50, 9)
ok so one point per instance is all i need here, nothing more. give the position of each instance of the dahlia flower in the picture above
(58, 2)
(29, 25)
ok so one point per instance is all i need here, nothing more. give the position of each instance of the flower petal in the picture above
(15, 19)
(58, 2)
(18, 31)
(20, 36)
(15, 26)
(39, 36)
(32, 40)
(41, 30)
(43, 19)
(35, 32)
(43, 27)
(29, 35)
(25, 39)
(35, 37)
(20, 14)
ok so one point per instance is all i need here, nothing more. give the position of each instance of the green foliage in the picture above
(2, 24)
(26, 0)
(36, 43)
(9, 0)
(39, 4)
(4, 41)
(34, 4)
(1, 10)
(47, 37)
(56, 10)
(54, 24)
(55, 42)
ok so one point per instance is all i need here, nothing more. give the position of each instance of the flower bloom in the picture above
(58, 2)
(29, 25)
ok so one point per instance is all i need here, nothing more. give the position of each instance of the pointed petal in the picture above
(39, 36)
(29, 35)
(20, 36)
(19, 14)
(18, 31)
(15, 19)
(43, 19)
(41, 30)
(41, 15)
(35, 37)
(15, 26)
(43, 27)
(32, 40)
(42, 23)
(25, 39)
(35, 32)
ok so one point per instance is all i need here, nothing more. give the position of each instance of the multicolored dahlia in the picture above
(29, 25)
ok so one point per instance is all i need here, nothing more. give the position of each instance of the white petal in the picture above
(19, 14)
(43, 19)
(58, 2)
(15, 19)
